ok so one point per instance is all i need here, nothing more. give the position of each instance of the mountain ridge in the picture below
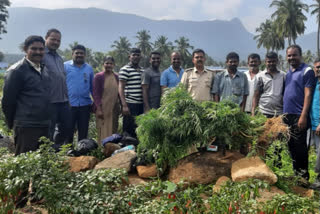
(98, 29)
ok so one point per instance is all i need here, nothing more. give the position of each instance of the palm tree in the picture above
(183, 47)
(308, 57)
(163, 46)
(316, 11)
(268, 36)
(4, 4)
(289, 18)
(145, 45)
(122, 50)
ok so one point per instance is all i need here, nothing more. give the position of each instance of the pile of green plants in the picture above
(166, 134)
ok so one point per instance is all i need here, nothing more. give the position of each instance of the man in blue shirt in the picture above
(79, 82)
(172, 76)
(299, 85)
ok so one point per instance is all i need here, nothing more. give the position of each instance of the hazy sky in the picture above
(251, 12)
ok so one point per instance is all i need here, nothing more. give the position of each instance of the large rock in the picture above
(220, 182)
(267, 195)
(303, 192)
(120, 160)
(147, 171)
(252, 167)
(82, 163)
(7, 142)
(136, 180)
(203, 168)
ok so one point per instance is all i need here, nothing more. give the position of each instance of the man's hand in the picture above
(125, 110)
(318, 130)
(302, 123)
(99, 113)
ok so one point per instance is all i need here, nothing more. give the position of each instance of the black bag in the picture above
(83, 148)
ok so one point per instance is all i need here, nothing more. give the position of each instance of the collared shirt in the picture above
(54, 63)
(232, 88)
(170, 78)
(296, 81)
(199, 85)
(35, 66)
(315, 108)
(79, 82)
(251, 83)
(151, 77)
(271, 88)
(133, 89)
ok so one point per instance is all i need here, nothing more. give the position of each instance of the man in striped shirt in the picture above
(130, 91)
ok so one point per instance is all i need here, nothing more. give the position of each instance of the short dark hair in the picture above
(155, 53)
(135, 50)
(31, 39)
(198, 50)
(316, 60)
(108, 58)
(254, 56)
(52, 30)
(295, 47)
(79, 47)
(272, 55)
(232, 55)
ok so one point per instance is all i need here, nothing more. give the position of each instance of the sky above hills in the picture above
(250, 12)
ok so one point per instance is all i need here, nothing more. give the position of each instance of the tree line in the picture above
(121, 49)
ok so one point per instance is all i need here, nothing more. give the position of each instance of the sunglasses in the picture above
(318, 67)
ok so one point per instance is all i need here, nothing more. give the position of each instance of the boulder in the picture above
(136, 180)
(267, 195)
(221, 181)
(110, 148)
(7, 142)
(203, 168)
(147, 171)
(254, 168)
(303, 192)
(120, 160)
(82, 163)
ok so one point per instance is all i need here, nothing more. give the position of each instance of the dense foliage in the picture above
(166, 134)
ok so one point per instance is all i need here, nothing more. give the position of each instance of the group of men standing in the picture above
(44, 96)
(272, 92)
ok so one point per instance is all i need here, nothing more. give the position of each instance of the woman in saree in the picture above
(106, 100)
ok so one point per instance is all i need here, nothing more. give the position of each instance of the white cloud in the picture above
(220, 9)
(255, 18)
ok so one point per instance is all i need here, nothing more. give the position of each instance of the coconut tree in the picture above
(121, 50)
(3, 15)
(268, 37)
(145, 45)
(165, 47)
(316, 11)
(289, 18)
(183, 46)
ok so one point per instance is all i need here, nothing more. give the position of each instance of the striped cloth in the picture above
(133, 89)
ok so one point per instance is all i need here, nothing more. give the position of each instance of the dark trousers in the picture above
(80, 117)
(297, 145)
(60, 123)
(27, 139)
(129, 124)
